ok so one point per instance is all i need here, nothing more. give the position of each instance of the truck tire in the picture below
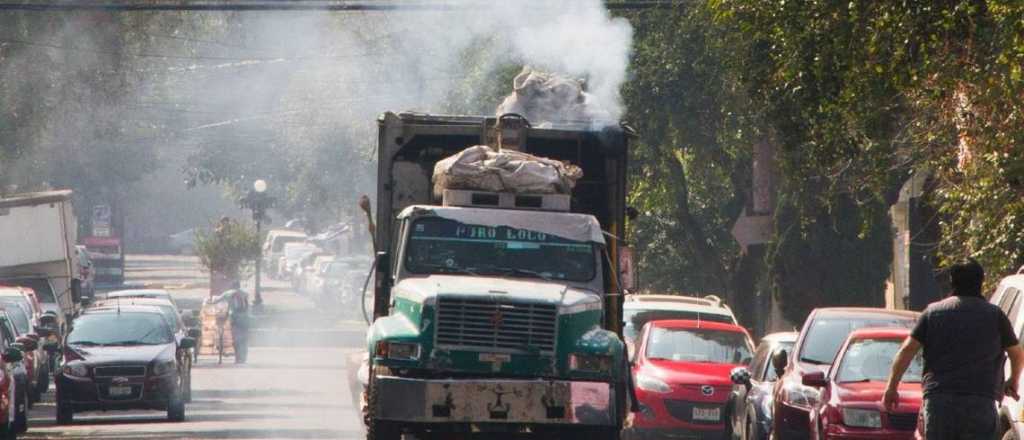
(378, 429)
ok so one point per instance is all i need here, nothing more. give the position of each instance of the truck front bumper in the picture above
(495, 401)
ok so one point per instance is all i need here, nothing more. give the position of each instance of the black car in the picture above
(750, 406)
(118, 359)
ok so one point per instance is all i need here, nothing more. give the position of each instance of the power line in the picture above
(287, 5)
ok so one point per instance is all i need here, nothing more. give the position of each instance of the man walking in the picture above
(965, 340)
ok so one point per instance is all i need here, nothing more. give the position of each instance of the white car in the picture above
(1009, 296)
(639, 309)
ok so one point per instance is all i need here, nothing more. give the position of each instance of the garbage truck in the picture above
(497, 311)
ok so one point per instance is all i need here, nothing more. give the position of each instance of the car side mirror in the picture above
(12, 354)
(815, 379)
(740, 376)
(187, 343)
(194, 333)
(780, 360)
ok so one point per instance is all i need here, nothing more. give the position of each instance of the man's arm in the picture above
(899, 366)
(1016, 355)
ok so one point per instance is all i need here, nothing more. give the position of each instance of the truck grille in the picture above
(496, 324)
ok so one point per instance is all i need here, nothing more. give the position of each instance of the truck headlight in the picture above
(652, 384)
(590, 363)
(399, 351)
(164, 368)
(862, 418)
(76, 370)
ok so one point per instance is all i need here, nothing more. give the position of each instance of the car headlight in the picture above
(399, 351)
(862, 418)
(796, 394)
(590, 363)
(652, 384)
(76, 370)
(164, 368)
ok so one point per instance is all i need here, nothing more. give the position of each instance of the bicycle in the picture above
(221, 320)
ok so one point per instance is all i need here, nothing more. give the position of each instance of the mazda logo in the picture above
(707, 390)
(119, 380)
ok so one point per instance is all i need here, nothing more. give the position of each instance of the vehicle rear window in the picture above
(827, 334)
(698, 345)
(869, 360)
(44, 293)
(17, 314)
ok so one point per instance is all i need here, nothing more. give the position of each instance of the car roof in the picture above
(124, 308)
(880, 333)
(134, 292)
(676, 305)
(860, 312)
(780, 337)
(286, 233)
(11, 291)
(133, 301)
(695, 324)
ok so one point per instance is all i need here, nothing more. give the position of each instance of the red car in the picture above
(823, 334)
(681, 376)
(851, 391)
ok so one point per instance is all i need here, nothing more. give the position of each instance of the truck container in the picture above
(497, 312)
(38, 233)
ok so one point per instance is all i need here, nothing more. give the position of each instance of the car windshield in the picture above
(698, 345)
(18, 314)
(634, 320)
(827, 335)
(120, 328)
(871, 360)
(44, 293)
(439, 245)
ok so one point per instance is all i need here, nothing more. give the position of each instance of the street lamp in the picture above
(258, 202)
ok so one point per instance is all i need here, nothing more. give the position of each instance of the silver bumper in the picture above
(495, 401)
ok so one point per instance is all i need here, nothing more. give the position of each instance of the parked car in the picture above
(311, 282)
(173, 317)
(44, 295)
(821, 337)
(273, 247)
(16, 368)
(140, 293)
(293, 255)
(1008, 296)
(681, 376)
(638, 310)
(305, 273)
(112, 354)
(750, 406)
(36, 357)
(339, 284)
(86, 274)
(851, 391)
(45, 327)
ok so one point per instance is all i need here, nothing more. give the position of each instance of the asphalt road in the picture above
(295, 385)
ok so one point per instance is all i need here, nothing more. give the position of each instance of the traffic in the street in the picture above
(505, 219)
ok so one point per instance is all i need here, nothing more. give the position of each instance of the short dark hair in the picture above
(967, 276)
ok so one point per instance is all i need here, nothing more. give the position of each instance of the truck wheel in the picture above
(378, 429)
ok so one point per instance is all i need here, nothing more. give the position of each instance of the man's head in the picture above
(966, 277)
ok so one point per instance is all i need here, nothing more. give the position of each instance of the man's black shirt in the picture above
(965, 340)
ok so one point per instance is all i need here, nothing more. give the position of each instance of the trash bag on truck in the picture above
(544, 97)
(485, 169)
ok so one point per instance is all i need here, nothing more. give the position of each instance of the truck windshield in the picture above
(439, 245)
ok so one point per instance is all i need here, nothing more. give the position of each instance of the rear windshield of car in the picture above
(634, 320)
(44, 293)
(827, 335)
(698, 345)
(120, 328)
(17, 314)
(869, 360)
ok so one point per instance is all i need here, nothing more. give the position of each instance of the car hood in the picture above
(425, 289)
(689, 373)
(870, 393)
(116, 354)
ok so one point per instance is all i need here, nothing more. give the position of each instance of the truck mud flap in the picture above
(496, 401)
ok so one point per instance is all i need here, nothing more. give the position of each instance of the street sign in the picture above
(751, 230)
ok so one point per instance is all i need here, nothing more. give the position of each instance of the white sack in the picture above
(483, 168)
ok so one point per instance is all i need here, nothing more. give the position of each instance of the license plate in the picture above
(706, 414)
(119, 391)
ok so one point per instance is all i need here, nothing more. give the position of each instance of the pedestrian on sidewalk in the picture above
(965, 341)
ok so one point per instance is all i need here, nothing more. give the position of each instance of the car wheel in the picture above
(378, 429)
(176, 409)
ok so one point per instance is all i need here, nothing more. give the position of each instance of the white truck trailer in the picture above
(37, 239)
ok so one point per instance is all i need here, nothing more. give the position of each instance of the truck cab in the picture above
(496, 311)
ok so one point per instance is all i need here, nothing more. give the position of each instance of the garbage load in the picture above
(544, 97)
(486, 169)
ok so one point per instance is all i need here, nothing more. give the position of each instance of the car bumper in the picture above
(673, 433)
(93, 394)
(836, 432)
(677, 414)
(495, 401)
